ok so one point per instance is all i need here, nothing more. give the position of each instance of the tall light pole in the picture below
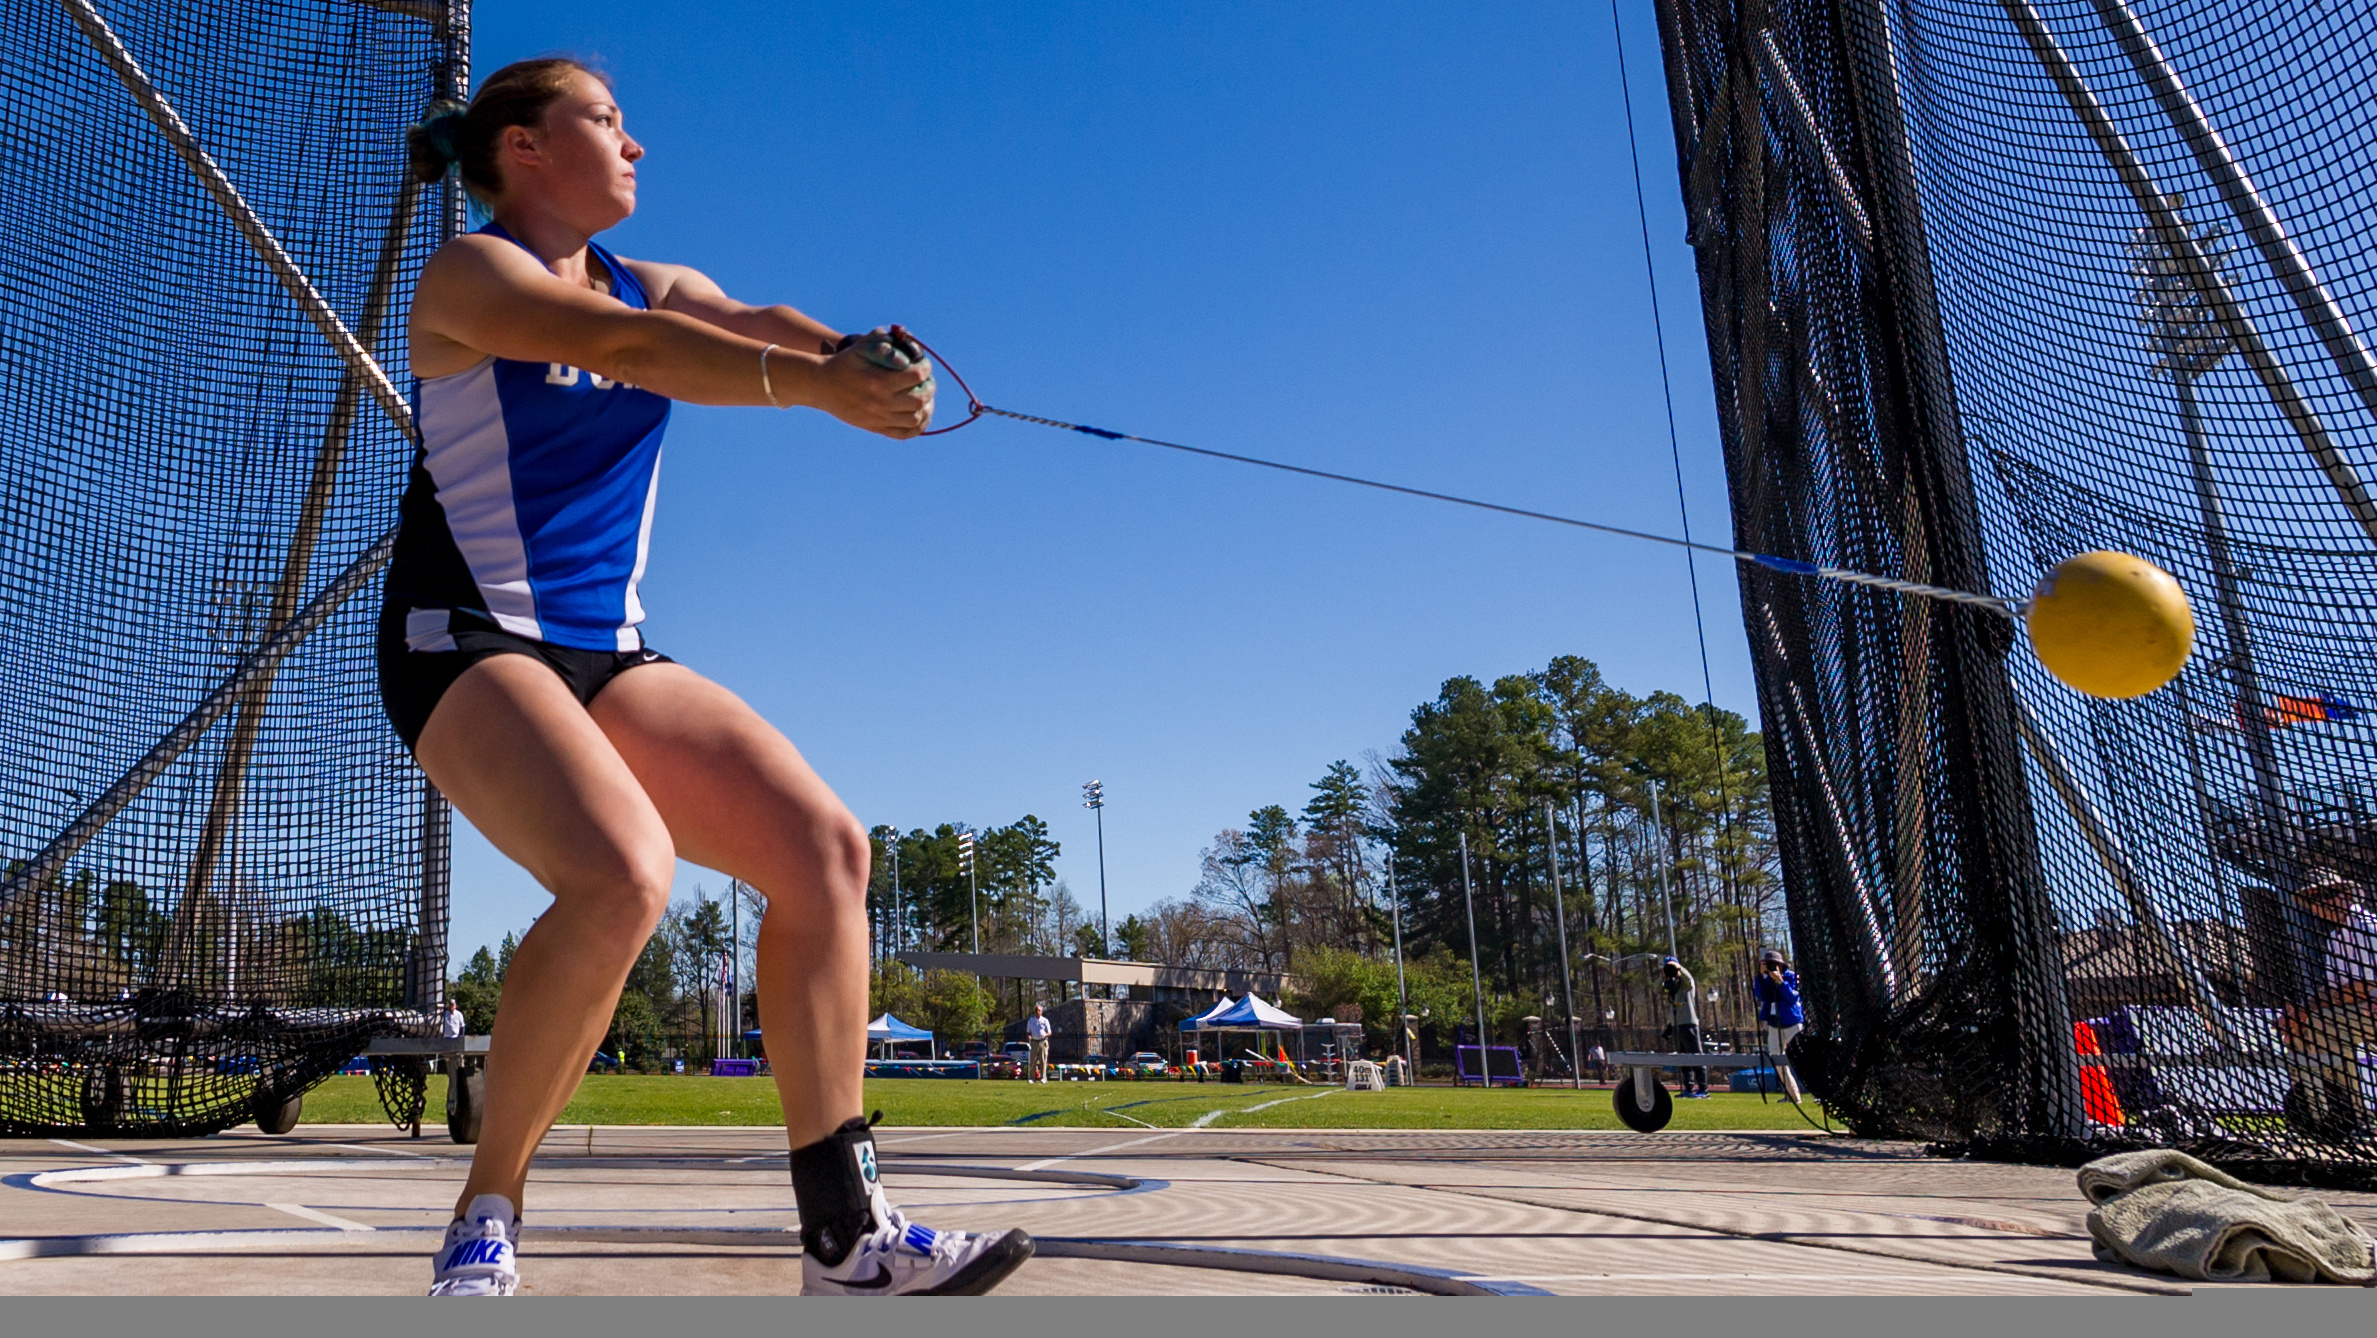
(965, 864)
(2189, 339)
(899, 919)
(1402, 994)
(1477, 986)
(1551, 828)
(1093, 798)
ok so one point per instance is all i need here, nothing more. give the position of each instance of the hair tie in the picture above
(443, 128)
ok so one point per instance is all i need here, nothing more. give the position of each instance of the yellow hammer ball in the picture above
(2111, 624)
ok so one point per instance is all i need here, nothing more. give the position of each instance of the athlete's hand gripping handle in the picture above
(880, 381)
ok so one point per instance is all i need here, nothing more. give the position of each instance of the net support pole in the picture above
(231, 775)
(1812, 139)
(1876, 945)
(434, 932)
(2278, 250)
(2190, 973)
(1940, 538)
(426, 990)
(1551, 833)
(2173, 232)
(1873, 946)
(1477, 986)
(268, 248)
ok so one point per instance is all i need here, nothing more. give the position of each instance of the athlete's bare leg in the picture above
(512, 749)
(739, 798)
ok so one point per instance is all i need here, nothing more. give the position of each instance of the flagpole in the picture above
(734, 984)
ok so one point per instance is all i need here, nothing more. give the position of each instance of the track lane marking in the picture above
(1210, 1116)
(103, 1152)
(316, 1215)
(1099, 1152)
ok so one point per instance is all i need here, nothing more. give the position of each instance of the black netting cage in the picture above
(1988, 284)
(223, 876)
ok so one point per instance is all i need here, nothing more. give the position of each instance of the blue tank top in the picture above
(531, 498)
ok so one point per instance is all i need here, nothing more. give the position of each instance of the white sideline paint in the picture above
(1311, 1096)
(102, 1152)
(1097, 1152)
(1210, 1116)
(148, 1170)
(315, 1215)
(1946, 1270)
(896, 1142)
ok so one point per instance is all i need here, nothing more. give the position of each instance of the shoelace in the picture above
(896, 1230)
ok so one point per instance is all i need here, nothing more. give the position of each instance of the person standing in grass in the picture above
(1777, 991)
(1035, 1036)
(1683, 1020)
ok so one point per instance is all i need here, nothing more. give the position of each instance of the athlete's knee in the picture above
(621, 885)
(823, 865)
(845, 856)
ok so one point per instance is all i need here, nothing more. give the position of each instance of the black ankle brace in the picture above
(833, 1182)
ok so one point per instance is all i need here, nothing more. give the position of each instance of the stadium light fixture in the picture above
(1093, 798)
(965, 864)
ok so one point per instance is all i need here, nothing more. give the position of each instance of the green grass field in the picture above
(605, 1099)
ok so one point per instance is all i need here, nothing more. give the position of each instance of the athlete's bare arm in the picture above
(689, 292)
(483, 296)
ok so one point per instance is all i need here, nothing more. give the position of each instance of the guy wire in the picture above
(1675, 453)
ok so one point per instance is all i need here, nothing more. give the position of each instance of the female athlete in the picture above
(512, 664)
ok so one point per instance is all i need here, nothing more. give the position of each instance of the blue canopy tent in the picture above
(888, 1030)
(1247, 1014)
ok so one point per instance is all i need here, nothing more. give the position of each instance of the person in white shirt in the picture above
(454, 1025)
(1035, 1035)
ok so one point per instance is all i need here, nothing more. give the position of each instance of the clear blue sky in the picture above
(1394, 240)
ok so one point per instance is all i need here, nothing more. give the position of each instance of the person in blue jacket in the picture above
(1777, 991)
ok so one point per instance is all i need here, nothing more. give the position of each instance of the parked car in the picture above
(1147, 1064)
(1000, 1066)
(1099, 1065)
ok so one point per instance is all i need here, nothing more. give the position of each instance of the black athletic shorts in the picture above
(412, 681)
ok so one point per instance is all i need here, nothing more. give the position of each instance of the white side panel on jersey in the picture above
(471, 463)
(630, 638)
(429, 630)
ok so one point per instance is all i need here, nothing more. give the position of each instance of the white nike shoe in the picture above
(478, 1256)
(901, 1258)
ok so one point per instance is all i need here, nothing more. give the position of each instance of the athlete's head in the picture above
(545, 130)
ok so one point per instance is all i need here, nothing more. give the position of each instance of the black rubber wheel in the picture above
(1630, 1111)
(2325, 1111)
(277, 1114)
(466, 1102)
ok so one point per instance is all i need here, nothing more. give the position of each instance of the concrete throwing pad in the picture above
(627, 1210)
